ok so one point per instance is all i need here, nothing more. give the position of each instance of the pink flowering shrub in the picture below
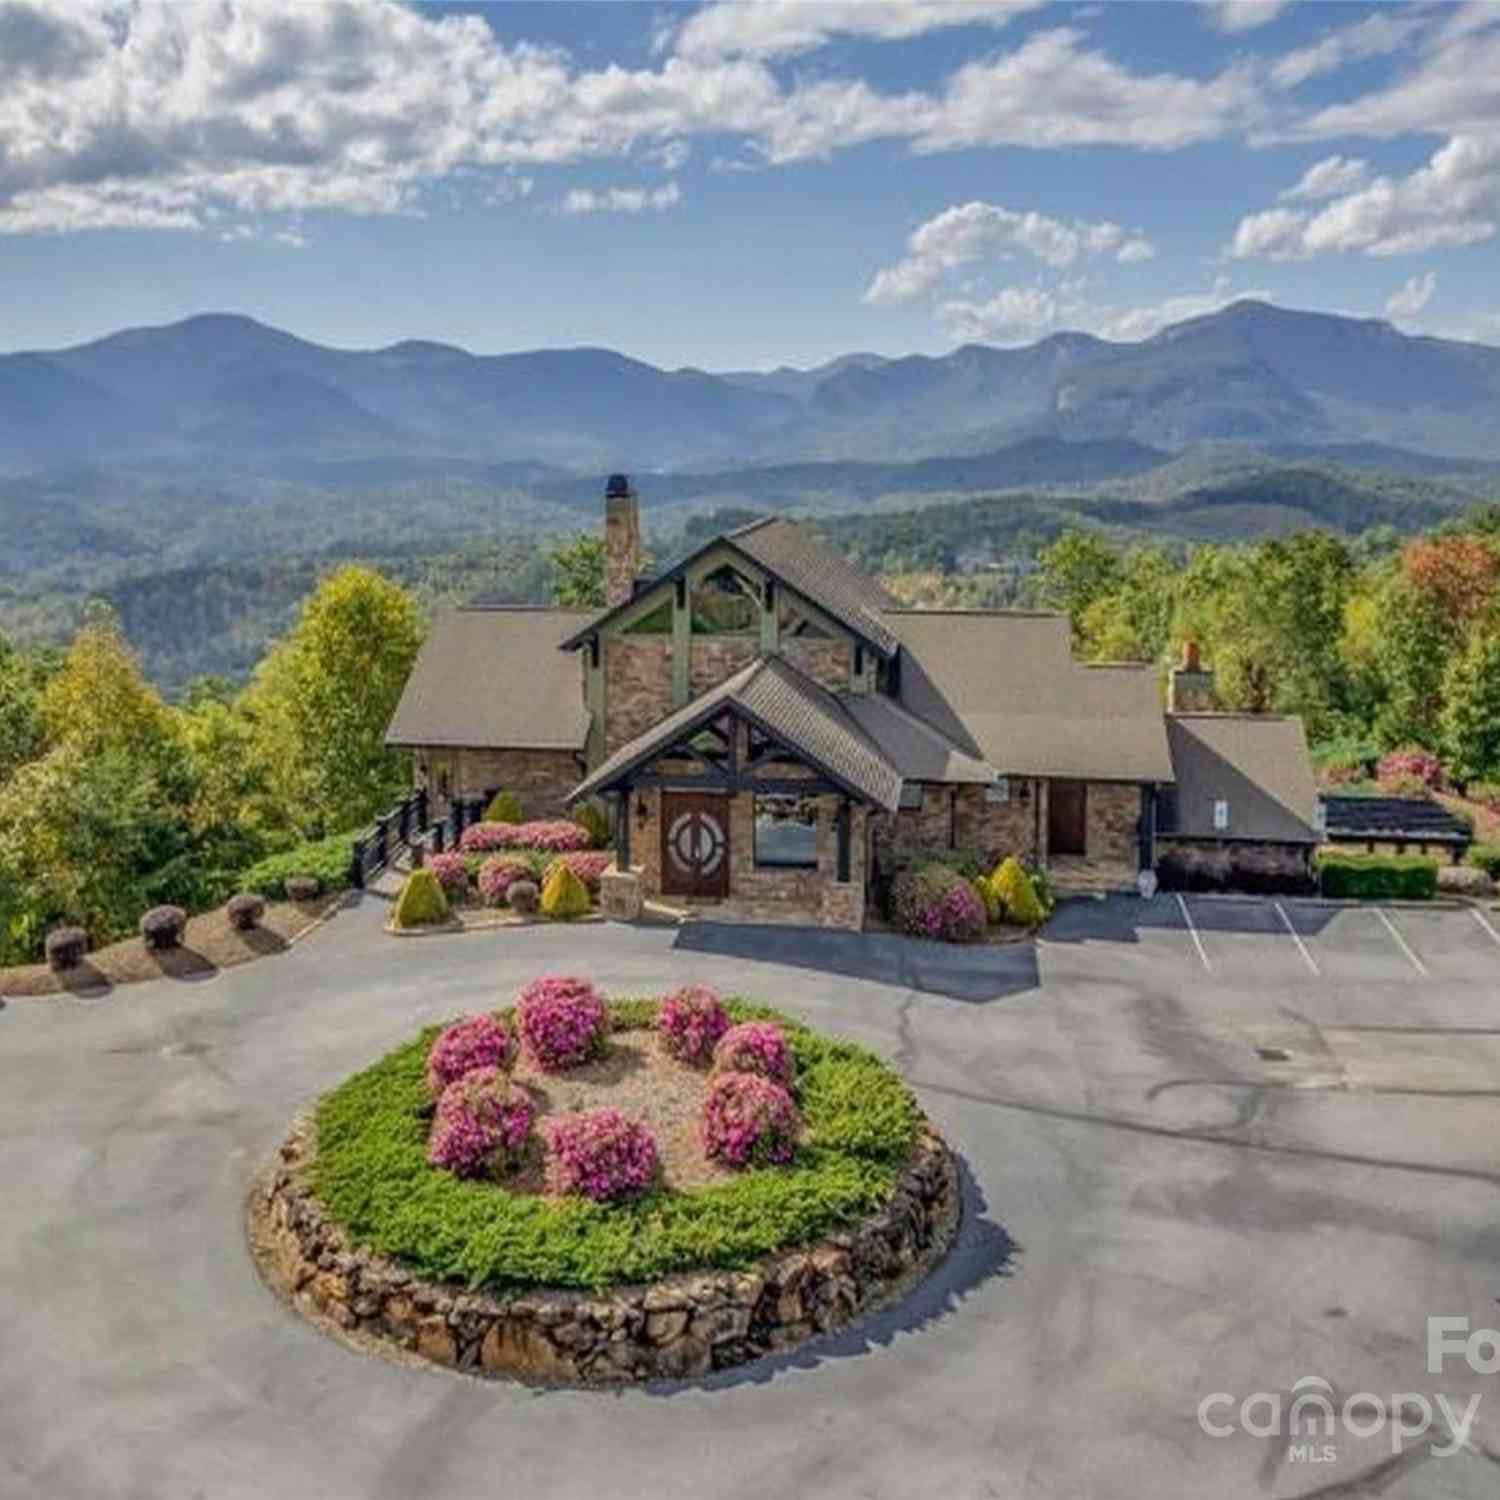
(588, 865)
(452, 874)
(563, 1021)
(748, 1121)
(474, 1042)
(937, 902)
(482, 1122)
(481, 838)
(1410, 769)
(551, 836)
(758, 1047)
(691, 1021)
(547, 835)
(497, 874)
(599, 1154)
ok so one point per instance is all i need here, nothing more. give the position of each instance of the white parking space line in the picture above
(1297, 937)
(1401, 942)
(1187, 917)
(1484, 922)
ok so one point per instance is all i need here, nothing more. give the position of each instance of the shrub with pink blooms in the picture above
(481, 1124)
(475, 1042)
(588, 865)
(481, 838)
(599, 1155)
(936, 902)
(1410, 770)
(748, 1121)
(691, 1021)
(758, 1047)
(497, 874)
(563, 1021)
(452, 874)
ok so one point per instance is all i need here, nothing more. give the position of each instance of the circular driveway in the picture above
(1149, 1221)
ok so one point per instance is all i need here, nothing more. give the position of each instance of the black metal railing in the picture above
(406, 829)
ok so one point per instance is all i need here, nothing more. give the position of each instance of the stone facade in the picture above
(828, 663)
(682, 1326)
(637, 686)
(712, 658)
(1227, 865)
(1114, 825)
(963, 819)
(540, 779)
(764, 893)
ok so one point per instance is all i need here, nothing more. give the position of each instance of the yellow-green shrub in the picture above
(504, 808)
(984, 888)
(421, 902)
(1017, 895)
(564, 895)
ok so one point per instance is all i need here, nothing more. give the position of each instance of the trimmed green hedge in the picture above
(328, 860)
(372, 1175)
(1378, 877)
(1487, 858)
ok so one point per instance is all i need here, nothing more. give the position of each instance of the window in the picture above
(725, 604)
(786, 832)
(998, 790)
(911, 796)
(1221, 815)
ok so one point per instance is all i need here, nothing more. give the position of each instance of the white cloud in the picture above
(618, 200)
(1453, 200)
(780, 28)
(1243, 15)
(1375, 36)
(1412, 297)
(967, 232)
(1023, 314)
(1331, 177)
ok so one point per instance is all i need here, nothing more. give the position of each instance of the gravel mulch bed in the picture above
(210, 944)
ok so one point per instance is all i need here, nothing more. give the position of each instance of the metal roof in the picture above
(1004, 687)
(494, 677)
(1415, 819)
(1256, 763)
(783, 702)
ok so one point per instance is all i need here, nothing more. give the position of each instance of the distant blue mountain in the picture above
(229, 392)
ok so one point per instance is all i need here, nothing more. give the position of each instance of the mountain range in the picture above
(221, 396)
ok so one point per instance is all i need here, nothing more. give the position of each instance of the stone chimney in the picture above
(622, 540)
(1190, 688)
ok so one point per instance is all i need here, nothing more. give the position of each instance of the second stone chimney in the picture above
(1190, 689)
(622, 540)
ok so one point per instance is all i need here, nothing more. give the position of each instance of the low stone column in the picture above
(620, 895)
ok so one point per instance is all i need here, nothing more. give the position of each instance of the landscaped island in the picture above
(581, 1189)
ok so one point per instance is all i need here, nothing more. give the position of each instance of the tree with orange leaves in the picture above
(1459, 573)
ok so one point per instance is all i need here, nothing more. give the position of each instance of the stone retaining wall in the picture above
(684, 1325)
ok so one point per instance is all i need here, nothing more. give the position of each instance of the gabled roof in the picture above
(782, 702)
(494, 677)
(1004, 687)
(1257, 763)
(794, 556)
(915, 748)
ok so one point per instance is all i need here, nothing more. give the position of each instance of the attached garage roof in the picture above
(495, 677)
(1005, 688)
(1256, 763)
(785, 703)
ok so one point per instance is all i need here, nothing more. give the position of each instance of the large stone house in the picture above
(774, 734)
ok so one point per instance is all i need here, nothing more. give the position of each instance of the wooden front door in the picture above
(694, 844)
(1067, 817)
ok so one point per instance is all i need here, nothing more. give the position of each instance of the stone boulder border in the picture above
(685, 1325)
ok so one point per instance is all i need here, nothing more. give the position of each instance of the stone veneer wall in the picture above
(712, 658)
(1270, 868)
(829, 663)
(684, 1325)
(960, 819)
(637, 686)
(541, 779)
(763, 894)
(1114, 825)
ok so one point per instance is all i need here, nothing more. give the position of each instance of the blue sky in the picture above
(747, 184)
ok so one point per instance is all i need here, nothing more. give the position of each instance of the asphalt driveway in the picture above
(1211, 1147)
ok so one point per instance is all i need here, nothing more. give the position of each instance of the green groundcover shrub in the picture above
(1487, 858)
(328, 860)
(372, 1174)
(1378, 877)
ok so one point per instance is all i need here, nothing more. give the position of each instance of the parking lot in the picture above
(1209, 1146)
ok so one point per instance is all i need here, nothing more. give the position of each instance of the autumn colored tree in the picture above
(321, 700)
(1459, 573)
